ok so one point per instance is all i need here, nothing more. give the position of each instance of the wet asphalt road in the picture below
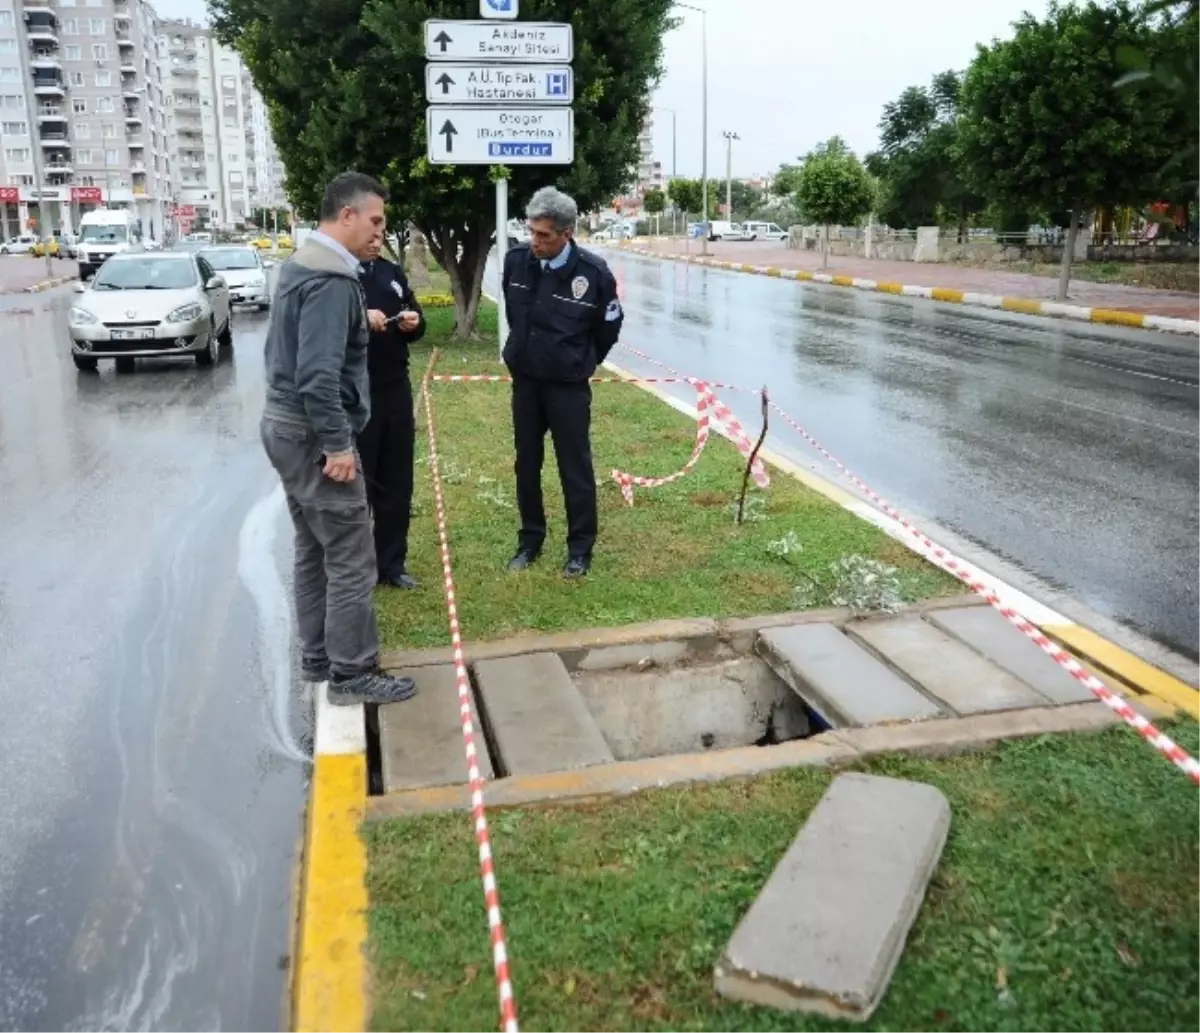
(152, 775)
(1069, 451)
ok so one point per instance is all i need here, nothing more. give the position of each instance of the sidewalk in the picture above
(20, 272)
(1174, 304)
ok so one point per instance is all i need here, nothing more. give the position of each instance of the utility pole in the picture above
(729, 138)
(674, 161)
(35, 140)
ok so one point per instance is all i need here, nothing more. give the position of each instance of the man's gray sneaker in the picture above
(372, 687)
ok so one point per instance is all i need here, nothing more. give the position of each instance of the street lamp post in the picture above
(703, 121)
(729, 138)
(674, 160)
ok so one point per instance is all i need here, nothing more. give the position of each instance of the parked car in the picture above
(244, 272)
(142, 304)
(47, 246)
(263, 243)
(284, 242)
(22, 245)
(763, 231)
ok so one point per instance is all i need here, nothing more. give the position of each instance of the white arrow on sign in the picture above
(500, 135)
(531, 42)
(498, 84)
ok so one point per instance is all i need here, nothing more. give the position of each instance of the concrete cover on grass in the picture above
(538, 720)
(990, 635)
(946, 668)
(827, 930)
(839, 679)
(420, 740)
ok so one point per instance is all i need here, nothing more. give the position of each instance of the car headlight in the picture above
(82, 317)
(186, 313)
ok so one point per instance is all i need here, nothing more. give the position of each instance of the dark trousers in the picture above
(565, 410)
(335, 564)
(386, 446)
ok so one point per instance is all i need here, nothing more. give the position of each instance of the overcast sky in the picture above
(786, 74)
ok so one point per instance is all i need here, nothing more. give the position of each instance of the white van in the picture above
(104, 233)
(719, 230)
(764, 231)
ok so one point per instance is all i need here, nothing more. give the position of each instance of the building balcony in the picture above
(48, 115)
(59, 168)
(47, 87)
(41, 14)
(127, 66)
(125, 40)
(43, 35)
(132, 118)
(138, 168)
(45, 59)
(54, 138)
(133, 143)
(186, 69)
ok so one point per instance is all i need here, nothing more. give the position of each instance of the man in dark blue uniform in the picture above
(386, 443)
(564, 318)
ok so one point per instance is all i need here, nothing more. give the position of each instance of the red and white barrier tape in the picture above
(491, 895)
(950, 563)
(495, 378)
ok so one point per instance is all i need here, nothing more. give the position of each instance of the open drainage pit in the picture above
(653, 711)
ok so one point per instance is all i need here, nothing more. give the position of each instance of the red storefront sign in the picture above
(10, 195)
(185, 211)
(86, 195)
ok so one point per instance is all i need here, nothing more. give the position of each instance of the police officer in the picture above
(564, 318)
(386, 443)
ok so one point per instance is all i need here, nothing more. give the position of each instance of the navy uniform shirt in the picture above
(386, 288)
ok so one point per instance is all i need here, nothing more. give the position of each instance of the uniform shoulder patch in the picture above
(579, 287)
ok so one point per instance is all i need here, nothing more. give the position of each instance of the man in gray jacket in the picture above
(317, 402)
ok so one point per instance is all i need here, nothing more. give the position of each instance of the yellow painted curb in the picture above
(947, 294)
(773, 271)
(1130, 669)
(1026, 305)
(1117, 317)
(331, 969)
(889, 287)
(843, 281)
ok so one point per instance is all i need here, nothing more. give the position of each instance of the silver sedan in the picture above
(142, 305)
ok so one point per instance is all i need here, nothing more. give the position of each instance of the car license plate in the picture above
(134, 335)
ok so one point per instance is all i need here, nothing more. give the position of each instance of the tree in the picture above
(1042, 125)
(654, 201)
(919, 173)
(746, 199)
(344, 81)
(834, 188)
(687, 195)
(785, 181)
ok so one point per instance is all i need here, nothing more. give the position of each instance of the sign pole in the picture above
(501, 253)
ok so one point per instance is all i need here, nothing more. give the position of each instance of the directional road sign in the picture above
(498, 84)
(500, 135)
(531, 42)
(498, 8)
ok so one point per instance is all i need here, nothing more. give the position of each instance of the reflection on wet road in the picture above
(1068, 450)
(151, 774)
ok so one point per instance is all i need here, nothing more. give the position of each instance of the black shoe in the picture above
(402, 580)
(314, 670)
(523, 559)
(372, 687)
(577, 566)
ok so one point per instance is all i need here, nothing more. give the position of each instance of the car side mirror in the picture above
(215, 283)
(79, 287)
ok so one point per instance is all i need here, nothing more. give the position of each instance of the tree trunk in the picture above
(1064, 276)
(962, 223)
(825, 246)
(463, 252)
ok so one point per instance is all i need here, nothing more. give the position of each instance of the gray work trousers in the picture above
(335, 554)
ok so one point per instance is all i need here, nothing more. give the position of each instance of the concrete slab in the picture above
(993, 637)
(828, 929)
(420, 740)
(691, 709)
(839, 679)
(538, 719)
(945, 667)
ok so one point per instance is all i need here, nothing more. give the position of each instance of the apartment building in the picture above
(227, 162)
(82, 102)
(649, 172)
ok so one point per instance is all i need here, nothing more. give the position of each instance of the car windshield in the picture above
(103, 234)
(145, 274)
(232, 258)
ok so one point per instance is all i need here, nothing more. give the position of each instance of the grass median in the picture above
(676, 553)
(1066, 899)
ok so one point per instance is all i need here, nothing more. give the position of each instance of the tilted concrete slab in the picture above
(827, 930)
(990, 635)
(839, 679)
(538, 719)
(420, 740)
(944, 667)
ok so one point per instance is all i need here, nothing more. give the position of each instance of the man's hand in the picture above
(377, 320)
(340, 467)
(409, 320)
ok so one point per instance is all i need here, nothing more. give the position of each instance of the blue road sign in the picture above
(556, 84)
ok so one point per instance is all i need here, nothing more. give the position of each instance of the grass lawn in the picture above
(676, 553)
(1167, 276)
(1066, 899)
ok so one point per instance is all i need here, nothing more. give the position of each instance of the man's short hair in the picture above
(559, 208)
(348, 190)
